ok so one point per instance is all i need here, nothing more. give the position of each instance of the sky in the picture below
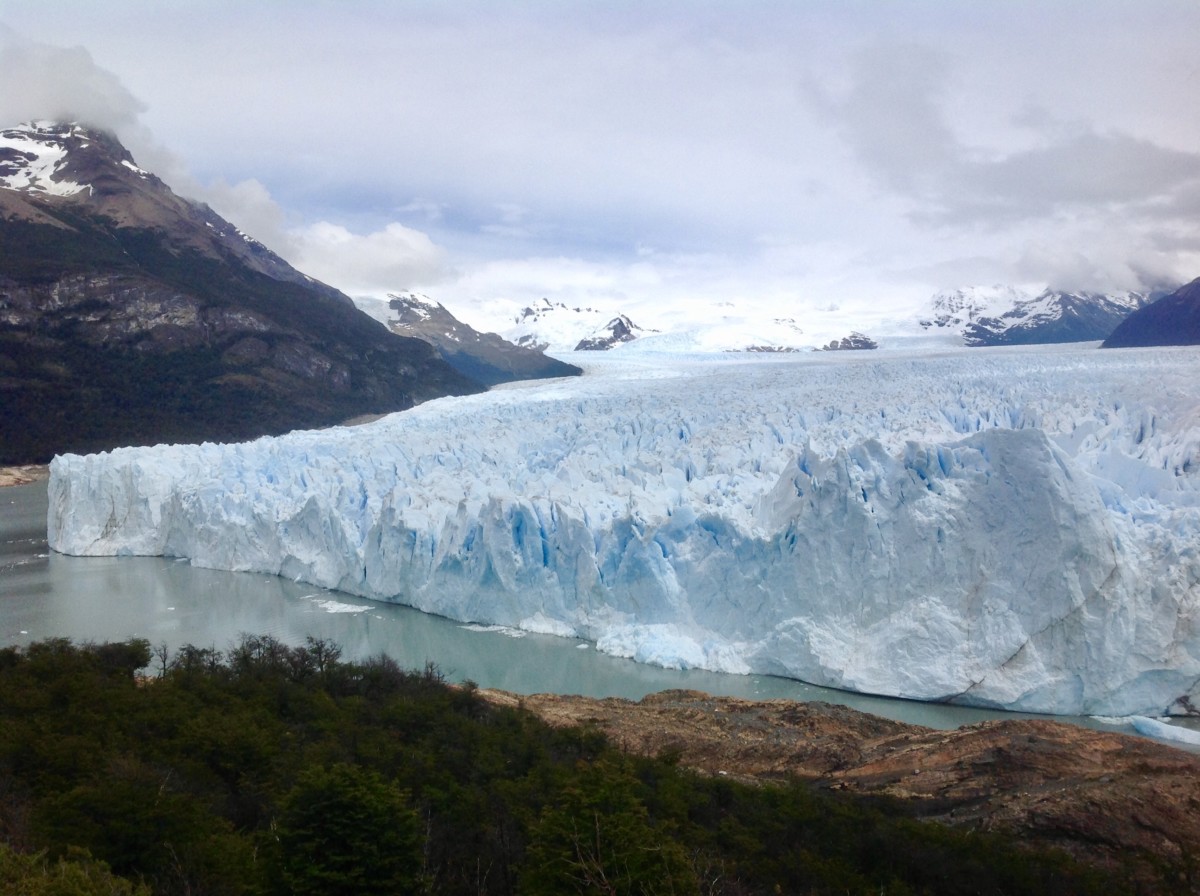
(654, 155)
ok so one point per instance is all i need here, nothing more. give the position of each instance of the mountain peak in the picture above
(35, 158)
(164, 321)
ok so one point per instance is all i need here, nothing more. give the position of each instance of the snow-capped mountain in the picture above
(130, 315)
(616, 332)
(556, 327)
(972, 316)
(1011, 529)
(485, 357)
(1006, 315)
(1171, 320)
(51, 168)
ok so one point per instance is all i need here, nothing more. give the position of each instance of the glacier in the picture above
(1010, 528)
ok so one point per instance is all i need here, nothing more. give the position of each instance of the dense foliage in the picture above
(270, 769)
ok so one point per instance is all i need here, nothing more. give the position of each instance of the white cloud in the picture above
(392, 259)
(526, 149)
(61, 83)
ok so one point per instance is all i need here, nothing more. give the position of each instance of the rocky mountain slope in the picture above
(1096, 794)
(1172, 320)
(485, 357)
(129, 315)
(1004, 315)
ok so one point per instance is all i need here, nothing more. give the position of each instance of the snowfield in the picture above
(1015, 528)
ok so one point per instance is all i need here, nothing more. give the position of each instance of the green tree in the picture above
(345, 831)
(78, 875)
(597, 838)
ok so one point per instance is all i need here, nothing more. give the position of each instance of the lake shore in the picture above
(24, 474)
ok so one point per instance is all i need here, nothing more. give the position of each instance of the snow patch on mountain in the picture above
(1015, 528)
(556, 327)
(973, 316)
(32, 157)
(1003, 315)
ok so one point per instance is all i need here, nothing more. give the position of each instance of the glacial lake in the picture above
(46, 595)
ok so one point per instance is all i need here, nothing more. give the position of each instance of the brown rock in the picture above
(1101, 796)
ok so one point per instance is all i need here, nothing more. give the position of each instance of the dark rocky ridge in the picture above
(129, 315)
(617, 331)
(485, 357)
(1172, 320)
(1048, 318)
(855, 342)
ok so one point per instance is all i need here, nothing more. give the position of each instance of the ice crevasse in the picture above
(1017, 529)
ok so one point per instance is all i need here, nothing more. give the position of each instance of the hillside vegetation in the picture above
(272, 769)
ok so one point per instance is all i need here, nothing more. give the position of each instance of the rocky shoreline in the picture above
(1103, 797)
(23, 475)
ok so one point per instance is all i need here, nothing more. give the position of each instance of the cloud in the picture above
(1080, 207)
(891, 115)
(392, 259)
(46, 82)
(61, 83)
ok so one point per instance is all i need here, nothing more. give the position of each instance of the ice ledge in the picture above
(726, 523)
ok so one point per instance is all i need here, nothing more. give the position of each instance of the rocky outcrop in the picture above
(618, 330)
(485, 357)
(854, 342)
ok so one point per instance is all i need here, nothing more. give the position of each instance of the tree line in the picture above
(266, 769)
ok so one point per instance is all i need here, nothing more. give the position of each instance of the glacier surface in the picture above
(1014, 528)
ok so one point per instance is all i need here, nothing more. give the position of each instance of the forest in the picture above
(131, 770)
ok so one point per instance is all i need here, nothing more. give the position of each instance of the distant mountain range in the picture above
(1172, 320)
(1008, 316)
(972, 316)
(485, 357)
(557, 327)
(129, 315)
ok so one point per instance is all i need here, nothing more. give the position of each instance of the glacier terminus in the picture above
(1014, 528)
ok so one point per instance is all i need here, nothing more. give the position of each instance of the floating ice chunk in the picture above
(1164, 731)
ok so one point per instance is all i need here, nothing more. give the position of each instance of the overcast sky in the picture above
(642, 154)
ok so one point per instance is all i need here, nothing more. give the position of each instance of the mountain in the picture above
(616, 332)
(485, 357)
(1006, 315)
(855, 342)
(972, 316)
(700, 328)
(558, 327)
(130, 315)
(1172, 320)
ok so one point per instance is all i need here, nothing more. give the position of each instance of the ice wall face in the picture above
(1016, 529)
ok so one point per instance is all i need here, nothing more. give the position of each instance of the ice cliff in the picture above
(1010, 528)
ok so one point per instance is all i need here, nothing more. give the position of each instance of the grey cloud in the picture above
(1104, 202)
(61, 83)
(1090, 169)
(891, 116)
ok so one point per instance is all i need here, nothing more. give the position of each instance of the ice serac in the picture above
(1012, 528)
